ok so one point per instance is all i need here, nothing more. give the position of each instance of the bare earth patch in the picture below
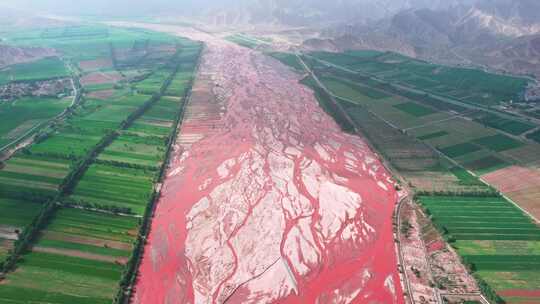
(104, 94)
(81, 254)
(87, 241)
(100, 78)
(520, 184)
(95, 64)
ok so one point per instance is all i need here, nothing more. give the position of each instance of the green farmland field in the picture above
(510, 126)
(43, 69)
(433, 135)
(32, 177)
(92, 282)
(14, 216)
(20, 116)
(414, 109)
(499, 242)
(499, 143)
(82, 248)
(135, 150)
(87, 128)
(468, 85)
(118, 187)
(244, 41)
(288, 59)
(88, 231)
(534, 136)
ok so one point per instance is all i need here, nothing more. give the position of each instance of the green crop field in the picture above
(126, 188)
(499, 242)
(32, 177)
(243, 40)
(423, 168)
(414, 109)
(21, 116)
(510, 126)
(179, 84)
(77, 255)
(465, 178)
(43, 69)
(499, 143)
(87, 128)
(288, 59)
(534, 136)
(152, 84)
(92, 232)
(473, 86)
(460, 149)
(472, 138)
(135, 150)
(42, 277)
(14, 216)
(433, 135)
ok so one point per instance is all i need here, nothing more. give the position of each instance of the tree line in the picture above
(129, 276)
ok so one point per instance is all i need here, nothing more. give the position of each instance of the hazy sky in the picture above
(91, 7)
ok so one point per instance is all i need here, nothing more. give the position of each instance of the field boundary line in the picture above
(437, 151)
(50, 207)
(404, 281)
(77, 95)
(129, 278)
(435, 95)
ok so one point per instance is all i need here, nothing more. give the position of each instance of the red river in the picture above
(267, 200)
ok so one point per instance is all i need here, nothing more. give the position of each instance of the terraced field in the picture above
(500, 243)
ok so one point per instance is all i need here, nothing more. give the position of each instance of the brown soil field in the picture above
(81, 254)
(105, 94)
(88, 241)
(520, 184)
(95, 64)
(100, 78)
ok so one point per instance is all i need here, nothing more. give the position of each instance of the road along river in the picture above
(267, 200)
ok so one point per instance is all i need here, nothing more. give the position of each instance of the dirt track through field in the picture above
(267, 200)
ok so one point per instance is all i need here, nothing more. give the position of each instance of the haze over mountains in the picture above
(500, 34)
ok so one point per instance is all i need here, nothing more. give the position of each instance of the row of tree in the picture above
(129, 276)
(29, 234)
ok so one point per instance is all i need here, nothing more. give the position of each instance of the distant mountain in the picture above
(501, 34)
(14, 19)
(307, 12)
